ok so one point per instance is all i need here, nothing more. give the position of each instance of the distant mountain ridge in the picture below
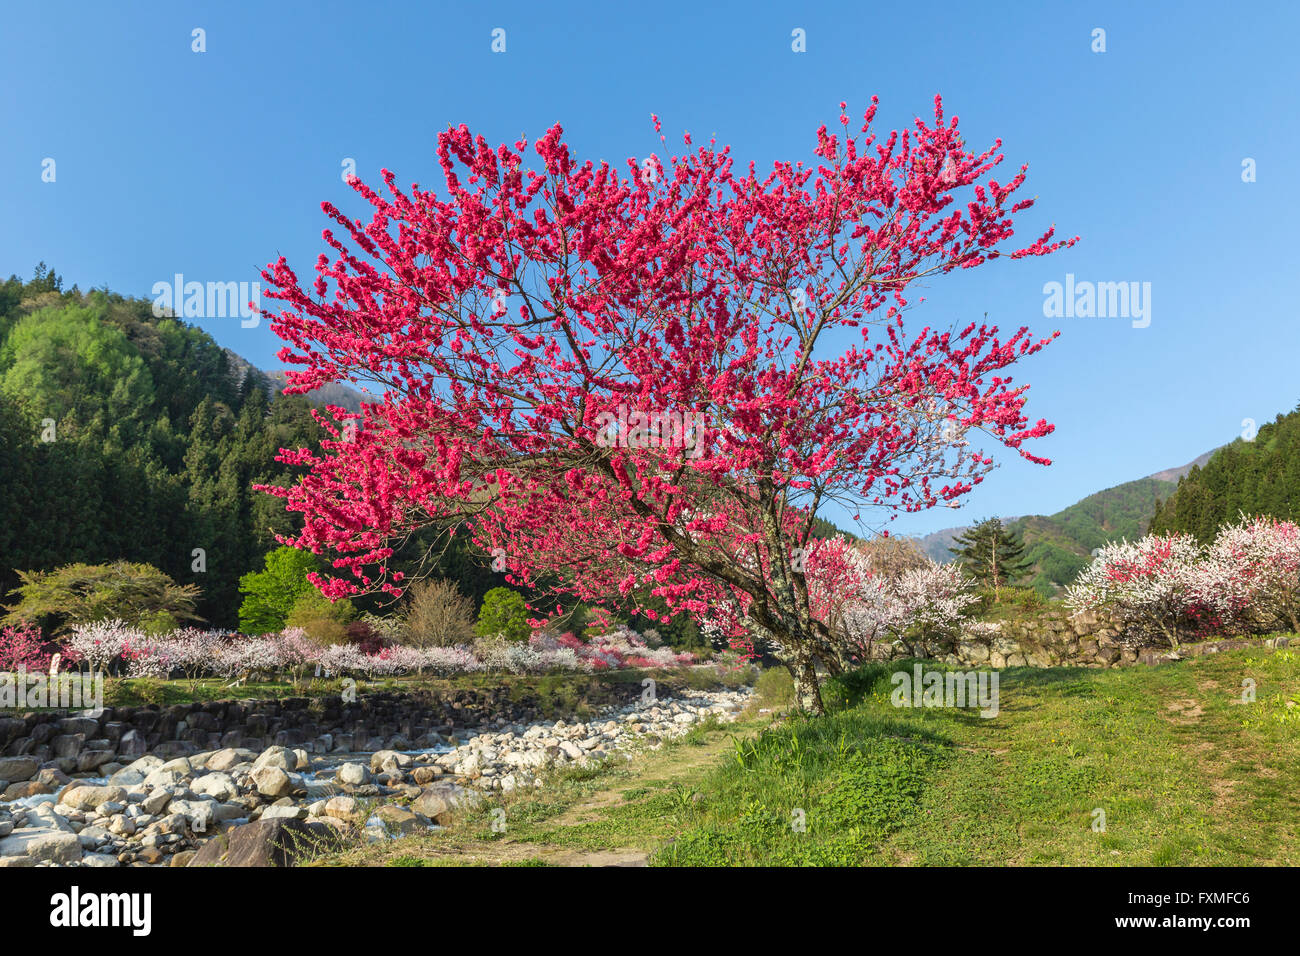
(1173, 474)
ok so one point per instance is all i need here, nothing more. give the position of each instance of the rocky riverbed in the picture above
(236, 806)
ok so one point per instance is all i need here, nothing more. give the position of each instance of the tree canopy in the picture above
(654, 379)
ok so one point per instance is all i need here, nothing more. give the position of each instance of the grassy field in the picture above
(1184, 770)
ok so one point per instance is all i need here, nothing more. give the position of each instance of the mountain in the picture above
(1060, 545)
(1173, 474)
(1257, 476)
(141, 438)
(938, 544)
(335, 393)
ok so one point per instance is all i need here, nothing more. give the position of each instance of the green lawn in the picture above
(1185, 773)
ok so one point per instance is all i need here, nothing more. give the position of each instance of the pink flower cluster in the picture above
(860, 609)
(23, 646)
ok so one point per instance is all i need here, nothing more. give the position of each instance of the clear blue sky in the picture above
(212, 164)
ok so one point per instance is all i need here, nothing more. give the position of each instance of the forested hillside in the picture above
(123, 435)
(1060, 545)
(1255, 477)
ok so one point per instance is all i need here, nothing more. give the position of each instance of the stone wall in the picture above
(375, 721)
(1054, 638)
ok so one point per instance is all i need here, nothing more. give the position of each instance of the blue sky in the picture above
(211, 164)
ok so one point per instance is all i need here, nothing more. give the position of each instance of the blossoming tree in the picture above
(863, 605)
(1260, 557)
(653, 379)
(1154, 587)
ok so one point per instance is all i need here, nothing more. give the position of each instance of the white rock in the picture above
(218, 785)
(354, 774)
(290, 812)
(42, 844)
(200, 814)
(272, 782)
(157, 801)
(279, 757)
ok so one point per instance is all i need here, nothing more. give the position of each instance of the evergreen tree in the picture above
(991, 553)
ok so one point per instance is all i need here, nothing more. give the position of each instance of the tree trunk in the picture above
(807, 693)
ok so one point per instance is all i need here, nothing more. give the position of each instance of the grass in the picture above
(560, 692)
(1185, 767)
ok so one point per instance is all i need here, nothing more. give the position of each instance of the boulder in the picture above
(272, 782)
(200, 814)
(275, 842)
(441, 800)
(156, 802)
(90, 798)
(353, 774)
(91, 760)
(53, 777)
(286, 811)
(42, 845)
(163, 778)
(18, 769)
(218, 785)
(132, 744)
(281, 758)
(424, 775)
(229, 757)
(399, 821)
(31, 788)
(67, 745)
(346, 809)
(388, 760)
(143, 765)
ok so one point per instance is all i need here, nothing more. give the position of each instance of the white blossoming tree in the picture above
(1153, 588)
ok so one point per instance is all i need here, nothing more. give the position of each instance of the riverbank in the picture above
(232, 805)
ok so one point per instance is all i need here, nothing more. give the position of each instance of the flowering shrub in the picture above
(1263, 555)
(1147, 586)
(102, 644)
(860, 608)
(153, 659)
(917, 607)
(194, 653)
(22, 646)
(1167, 587)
